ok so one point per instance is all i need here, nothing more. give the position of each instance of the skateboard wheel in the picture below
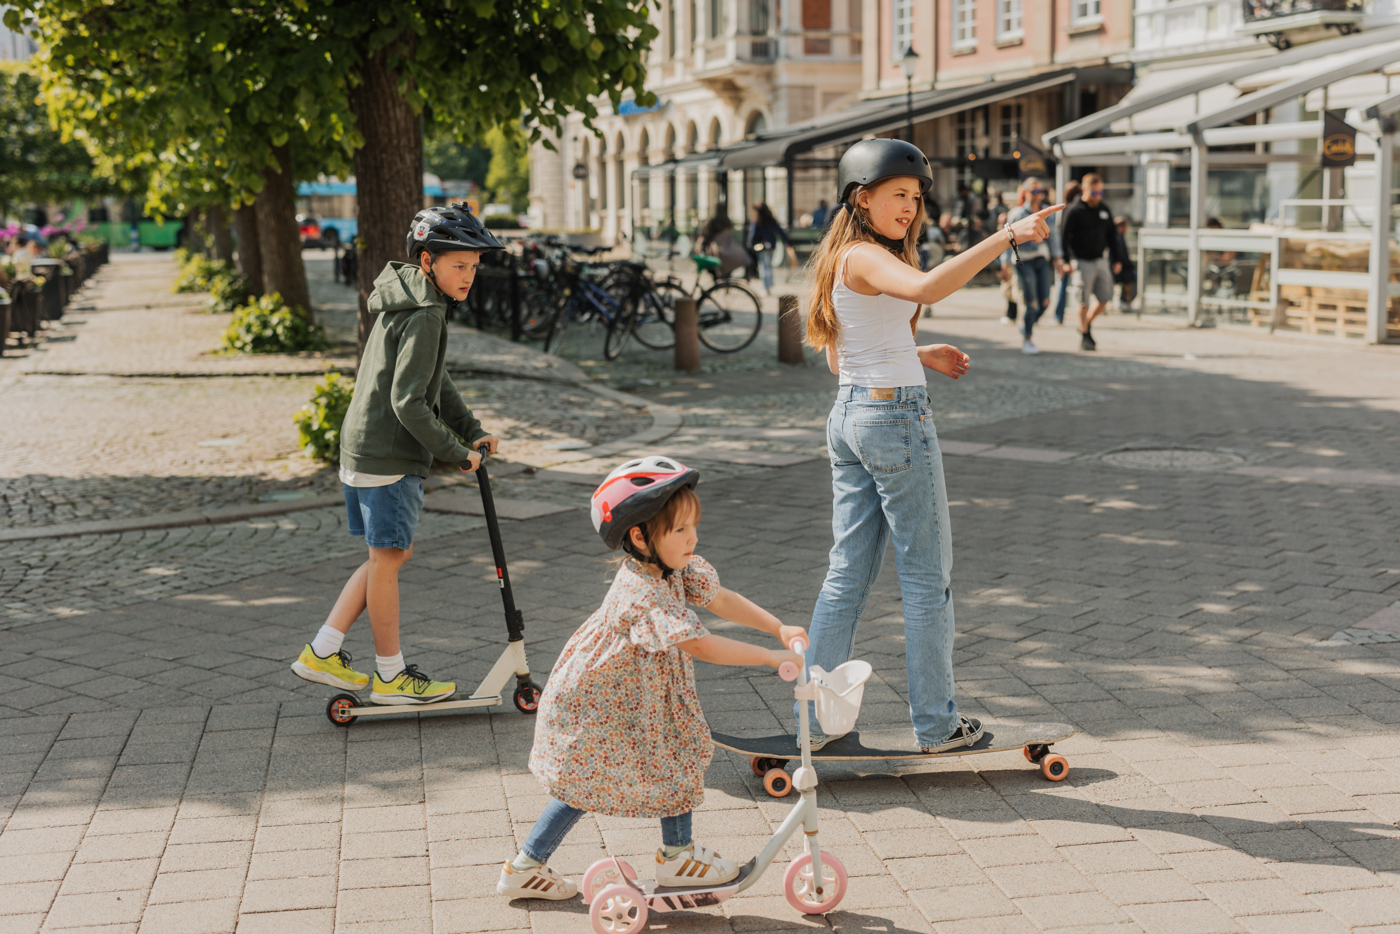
(618, 909)
(527, 698)
(340, 709)
(777, 782)
(1054, 768)
(602, 874)
(802, 892)
(758, 765)
(1034, 752)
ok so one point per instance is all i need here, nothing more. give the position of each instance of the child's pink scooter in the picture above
(814, 883)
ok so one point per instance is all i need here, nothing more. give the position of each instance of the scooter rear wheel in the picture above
(339, 710)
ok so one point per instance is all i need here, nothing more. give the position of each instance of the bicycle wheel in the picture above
(654, 322)
(730, 317)
(539, 306)
(557, 327)
(619, 330)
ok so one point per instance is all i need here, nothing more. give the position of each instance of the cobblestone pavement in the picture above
(1235, 769)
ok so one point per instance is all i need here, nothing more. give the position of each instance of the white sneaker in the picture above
(694, 865)
(1006, 320)
(1028, 347)
(540, 882)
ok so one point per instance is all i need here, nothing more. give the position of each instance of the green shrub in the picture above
(227, 291)
(269, 325)
(319, 421)
(501, 222)
(197, 270)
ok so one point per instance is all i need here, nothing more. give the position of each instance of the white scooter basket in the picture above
(838, 695)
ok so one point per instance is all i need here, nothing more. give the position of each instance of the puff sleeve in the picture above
(701, 581)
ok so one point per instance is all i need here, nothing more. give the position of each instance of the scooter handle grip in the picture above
(798, 645)
(788, 671)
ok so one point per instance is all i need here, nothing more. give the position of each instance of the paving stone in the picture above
(71, 911)
(279, 895)
(214, 916)
(121, 875)
(1182, 918)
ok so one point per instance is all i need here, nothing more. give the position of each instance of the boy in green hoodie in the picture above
(403, 415)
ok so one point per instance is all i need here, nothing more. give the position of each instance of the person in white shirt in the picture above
(886, 468)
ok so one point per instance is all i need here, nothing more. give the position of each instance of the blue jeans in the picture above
(887, 483)
(558, 819)
(1061, 296)
(765, 268)
(1035, 287)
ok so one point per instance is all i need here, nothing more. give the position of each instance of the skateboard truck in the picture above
(814, 883)
(344, 709)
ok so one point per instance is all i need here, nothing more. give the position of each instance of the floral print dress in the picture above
(620, 730)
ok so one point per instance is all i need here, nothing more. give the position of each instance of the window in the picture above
(1008, 127)
(965, 24)
(964, 129)
(719, 18)
(903, 28)
(671, 37)
(1085, 10)
(1009, 20)
(759, 16)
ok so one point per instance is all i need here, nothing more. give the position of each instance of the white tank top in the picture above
(875, 347)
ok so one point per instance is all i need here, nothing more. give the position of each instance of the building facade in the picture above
(722, 71)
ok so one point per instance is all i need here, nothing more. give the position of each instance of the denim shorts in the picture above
(385, 516)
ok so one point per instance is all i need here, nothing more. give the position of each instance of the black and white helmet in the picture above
(446, 229)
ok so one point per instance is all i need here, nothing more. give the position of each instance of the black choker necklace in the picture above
(889, 243)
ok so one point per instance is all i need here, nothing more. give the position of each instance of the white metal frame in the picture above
(489, 694)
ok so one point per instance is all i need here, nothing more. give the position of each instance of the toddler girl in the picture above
(620, 730)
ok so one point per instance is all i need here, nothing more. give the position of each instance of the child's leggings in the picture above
(558, 819)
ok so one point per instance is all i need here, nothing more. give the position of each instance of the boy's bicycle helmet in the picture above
(445, 229)
(874, 160)
(634, 493)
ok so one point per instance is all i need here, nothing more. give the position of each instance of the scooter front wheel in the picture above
(604, 873)
(618, 909)
(802, 891)
(527, 698)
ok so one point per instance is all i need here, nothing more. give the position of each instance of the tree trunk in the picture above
(245, 220)
(278, 237)
(388, 174)
(191, 237)
(216, 219)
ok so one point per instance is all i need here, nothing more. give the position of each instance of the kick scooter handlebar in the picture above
(466, 466)
(788, 670)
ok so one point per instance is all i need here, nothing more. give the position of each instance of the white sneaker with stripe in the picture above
(540, 882)
(694, 865)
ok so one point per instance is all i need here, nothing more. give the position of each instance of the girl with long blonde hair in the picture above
(886, 468)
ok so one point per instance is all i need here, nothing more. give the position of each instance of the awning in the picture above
(869, 118)
(1164, 90)
(689, 163)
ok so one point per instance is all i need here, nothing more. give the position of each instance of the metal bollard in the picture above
(687, 328)
(789, 330)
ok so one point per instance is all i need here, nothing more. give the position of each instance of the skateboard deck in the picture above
(866, 745)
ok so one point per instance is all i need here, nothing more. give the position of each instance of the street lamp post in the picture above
(908, 63)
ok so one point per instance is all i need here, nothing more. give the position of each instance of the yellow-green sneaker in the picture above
(334, 670)
(410, 686)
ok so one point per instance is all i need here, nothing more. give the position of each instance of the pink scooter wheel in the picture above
(602, 874)
(801, 890)
(618, 909)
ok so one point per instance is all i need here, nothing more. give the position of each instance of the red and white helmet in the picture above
(635, 492)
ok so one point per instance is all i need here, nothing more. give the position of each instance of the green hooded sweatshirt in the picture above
(404, 401)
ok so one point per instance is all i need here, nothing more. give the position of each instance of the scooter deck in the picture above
(866, 745)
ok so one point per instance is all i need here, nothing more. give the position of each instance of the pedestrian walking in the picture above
(886, 468)
(822, 214)
(620, 730)
(1090, 243)
(405, 412)
(717, 239)
(1033, 272)
(761, 239)
(1127, 277)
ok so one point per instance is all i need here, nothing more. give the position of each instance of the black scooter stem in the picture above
(515, 621)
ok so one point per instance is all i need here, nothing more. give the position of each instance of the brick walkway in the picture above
(1234, 770)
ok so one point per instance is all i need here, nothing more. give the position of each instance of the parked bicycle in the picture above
(730, 314)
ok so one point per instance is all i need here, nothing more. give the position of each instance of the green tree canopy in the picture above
(36, 163)
(509, 178)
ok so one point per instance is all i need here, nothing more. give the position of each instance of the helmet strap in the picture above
(649, 556)
(889, 243)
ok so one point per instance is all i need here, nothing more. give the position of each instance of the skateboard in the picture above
(768, 755)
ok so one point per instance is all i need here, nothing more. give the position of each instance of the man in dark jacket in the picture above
(1091, 245)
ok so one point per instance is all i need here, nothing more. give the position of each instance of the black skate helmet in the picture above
(874, 160)
(443, 230)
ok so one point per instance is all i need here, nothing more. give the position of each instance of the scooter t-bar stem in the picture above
(515, 625)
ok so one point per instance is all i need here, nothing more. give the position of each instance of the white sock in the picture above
(327, 642)
(389, 666)
(523, 863)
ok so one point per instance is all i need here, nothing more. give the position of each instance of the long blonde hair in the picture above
(851, 224)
